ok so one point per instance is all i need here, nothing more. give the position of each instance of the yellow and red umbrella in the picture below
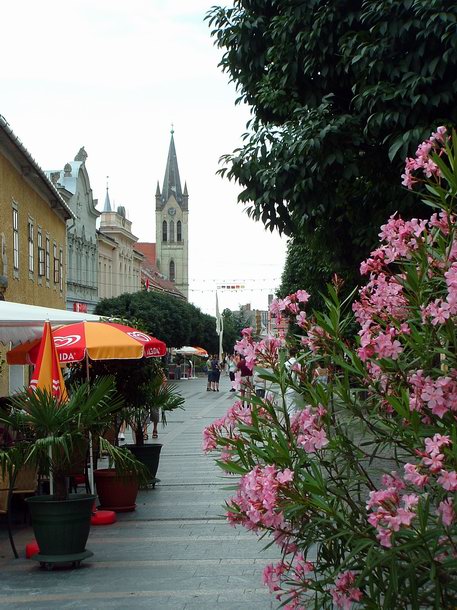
(97, 340)
(47, 374)
(201, 352)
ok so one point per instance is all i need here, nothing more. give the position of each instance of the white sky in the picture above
(112, 76)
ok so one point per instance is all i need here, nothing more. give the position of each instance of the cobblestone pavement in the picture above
(175, 552)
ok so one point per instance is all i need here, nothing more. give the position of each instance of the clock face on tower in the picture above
(171, 211)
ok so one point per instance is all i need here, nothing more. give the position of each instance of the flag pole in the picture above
(219, 327)
(91, 449)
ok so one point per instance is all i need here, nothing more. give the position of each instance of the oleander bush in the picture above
(352, 471)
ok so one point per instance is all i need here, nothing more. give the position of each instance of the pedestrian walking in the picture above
(209, 373)
(232, 368)
(215, 373)
(246, 379)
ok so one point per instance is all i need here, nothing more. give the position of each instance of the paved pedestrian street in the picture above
(174, 552)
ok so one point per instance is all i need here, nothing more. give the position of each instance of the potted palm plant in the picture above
(142, 385)
(154, 393)
(49, 432)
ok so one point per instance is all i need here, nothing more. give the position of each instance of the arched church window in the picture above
(172, 271)
(164, 231)
(172, 230)
(178, 231)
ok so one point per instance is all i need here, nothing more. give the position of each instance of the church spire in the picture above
(171, 181)
(107, 206)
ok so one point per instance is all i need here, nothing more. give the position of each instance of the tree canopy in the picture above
(169, 319)
(340, 93)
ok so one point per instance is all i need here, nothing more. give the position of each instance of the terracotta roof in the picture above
(150, 271)
(149, 250)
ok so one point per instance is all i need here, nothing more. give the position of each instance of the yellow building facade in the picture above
(33, 220)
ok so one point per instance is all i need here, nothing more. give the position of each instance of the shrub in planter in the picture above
(49, 433)
(357, 485)
(153, 394)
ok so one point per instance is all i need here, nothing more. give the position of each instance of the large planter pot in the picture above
(61, 528)
(149, 456)
(115, 492)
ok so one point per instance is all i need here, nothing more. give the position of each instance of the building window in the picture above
(164, 231)
(56, 264)
(40, 254)
(172, 271)
(31, 247)
(172, 230)
(178, 231)
(61, 269)
(48, 259)
(15, 239)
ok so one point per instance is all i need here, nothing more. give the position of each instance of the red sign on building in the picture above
(81, 307)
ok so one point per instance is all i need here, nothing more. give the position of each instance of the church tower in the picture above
(172, 242)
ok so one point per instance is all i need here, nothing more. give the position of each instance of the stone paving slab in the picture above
(174, 552)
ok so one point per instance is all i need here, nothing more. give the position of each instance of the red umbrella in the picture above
(97, 340)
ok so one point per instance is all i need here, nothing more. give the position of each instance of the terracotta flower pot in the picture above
(115, 492)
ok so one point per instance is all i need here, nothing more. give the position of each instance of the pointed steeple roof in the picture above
(107, 206)
(171, 181)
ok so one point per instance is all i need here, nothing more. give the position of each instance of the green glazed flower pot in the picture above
(61, 527)
(148, 455)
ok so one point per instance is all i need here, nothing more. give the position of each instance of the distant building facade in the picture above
(259, 319)
(119, 262)
(82, 255)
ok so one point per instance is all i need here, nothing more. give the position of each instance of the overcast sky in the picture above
(113, 76)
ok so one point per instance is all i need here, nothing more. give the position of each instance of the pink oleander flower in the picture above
(344, 592)
(446, 512)
(384, 537)
(423, 162)
(209, 438)
(255, 504)
(386, 513)
(433, 445)
(310, 434)
(448, 480)
(301, 319)
(413, 476)
(302, 296)
(301, 567)
(386, 346)
(272, 575)
(434, 463)
(286, 476)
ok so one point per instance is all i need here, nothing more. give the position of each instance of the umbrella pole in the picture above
(51, 477)
(91, 450)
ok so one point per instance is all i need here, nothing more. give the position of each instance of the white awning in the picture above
(20, 323)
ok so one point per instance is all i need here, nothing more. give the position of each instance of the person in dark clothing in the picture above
(215, 373)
